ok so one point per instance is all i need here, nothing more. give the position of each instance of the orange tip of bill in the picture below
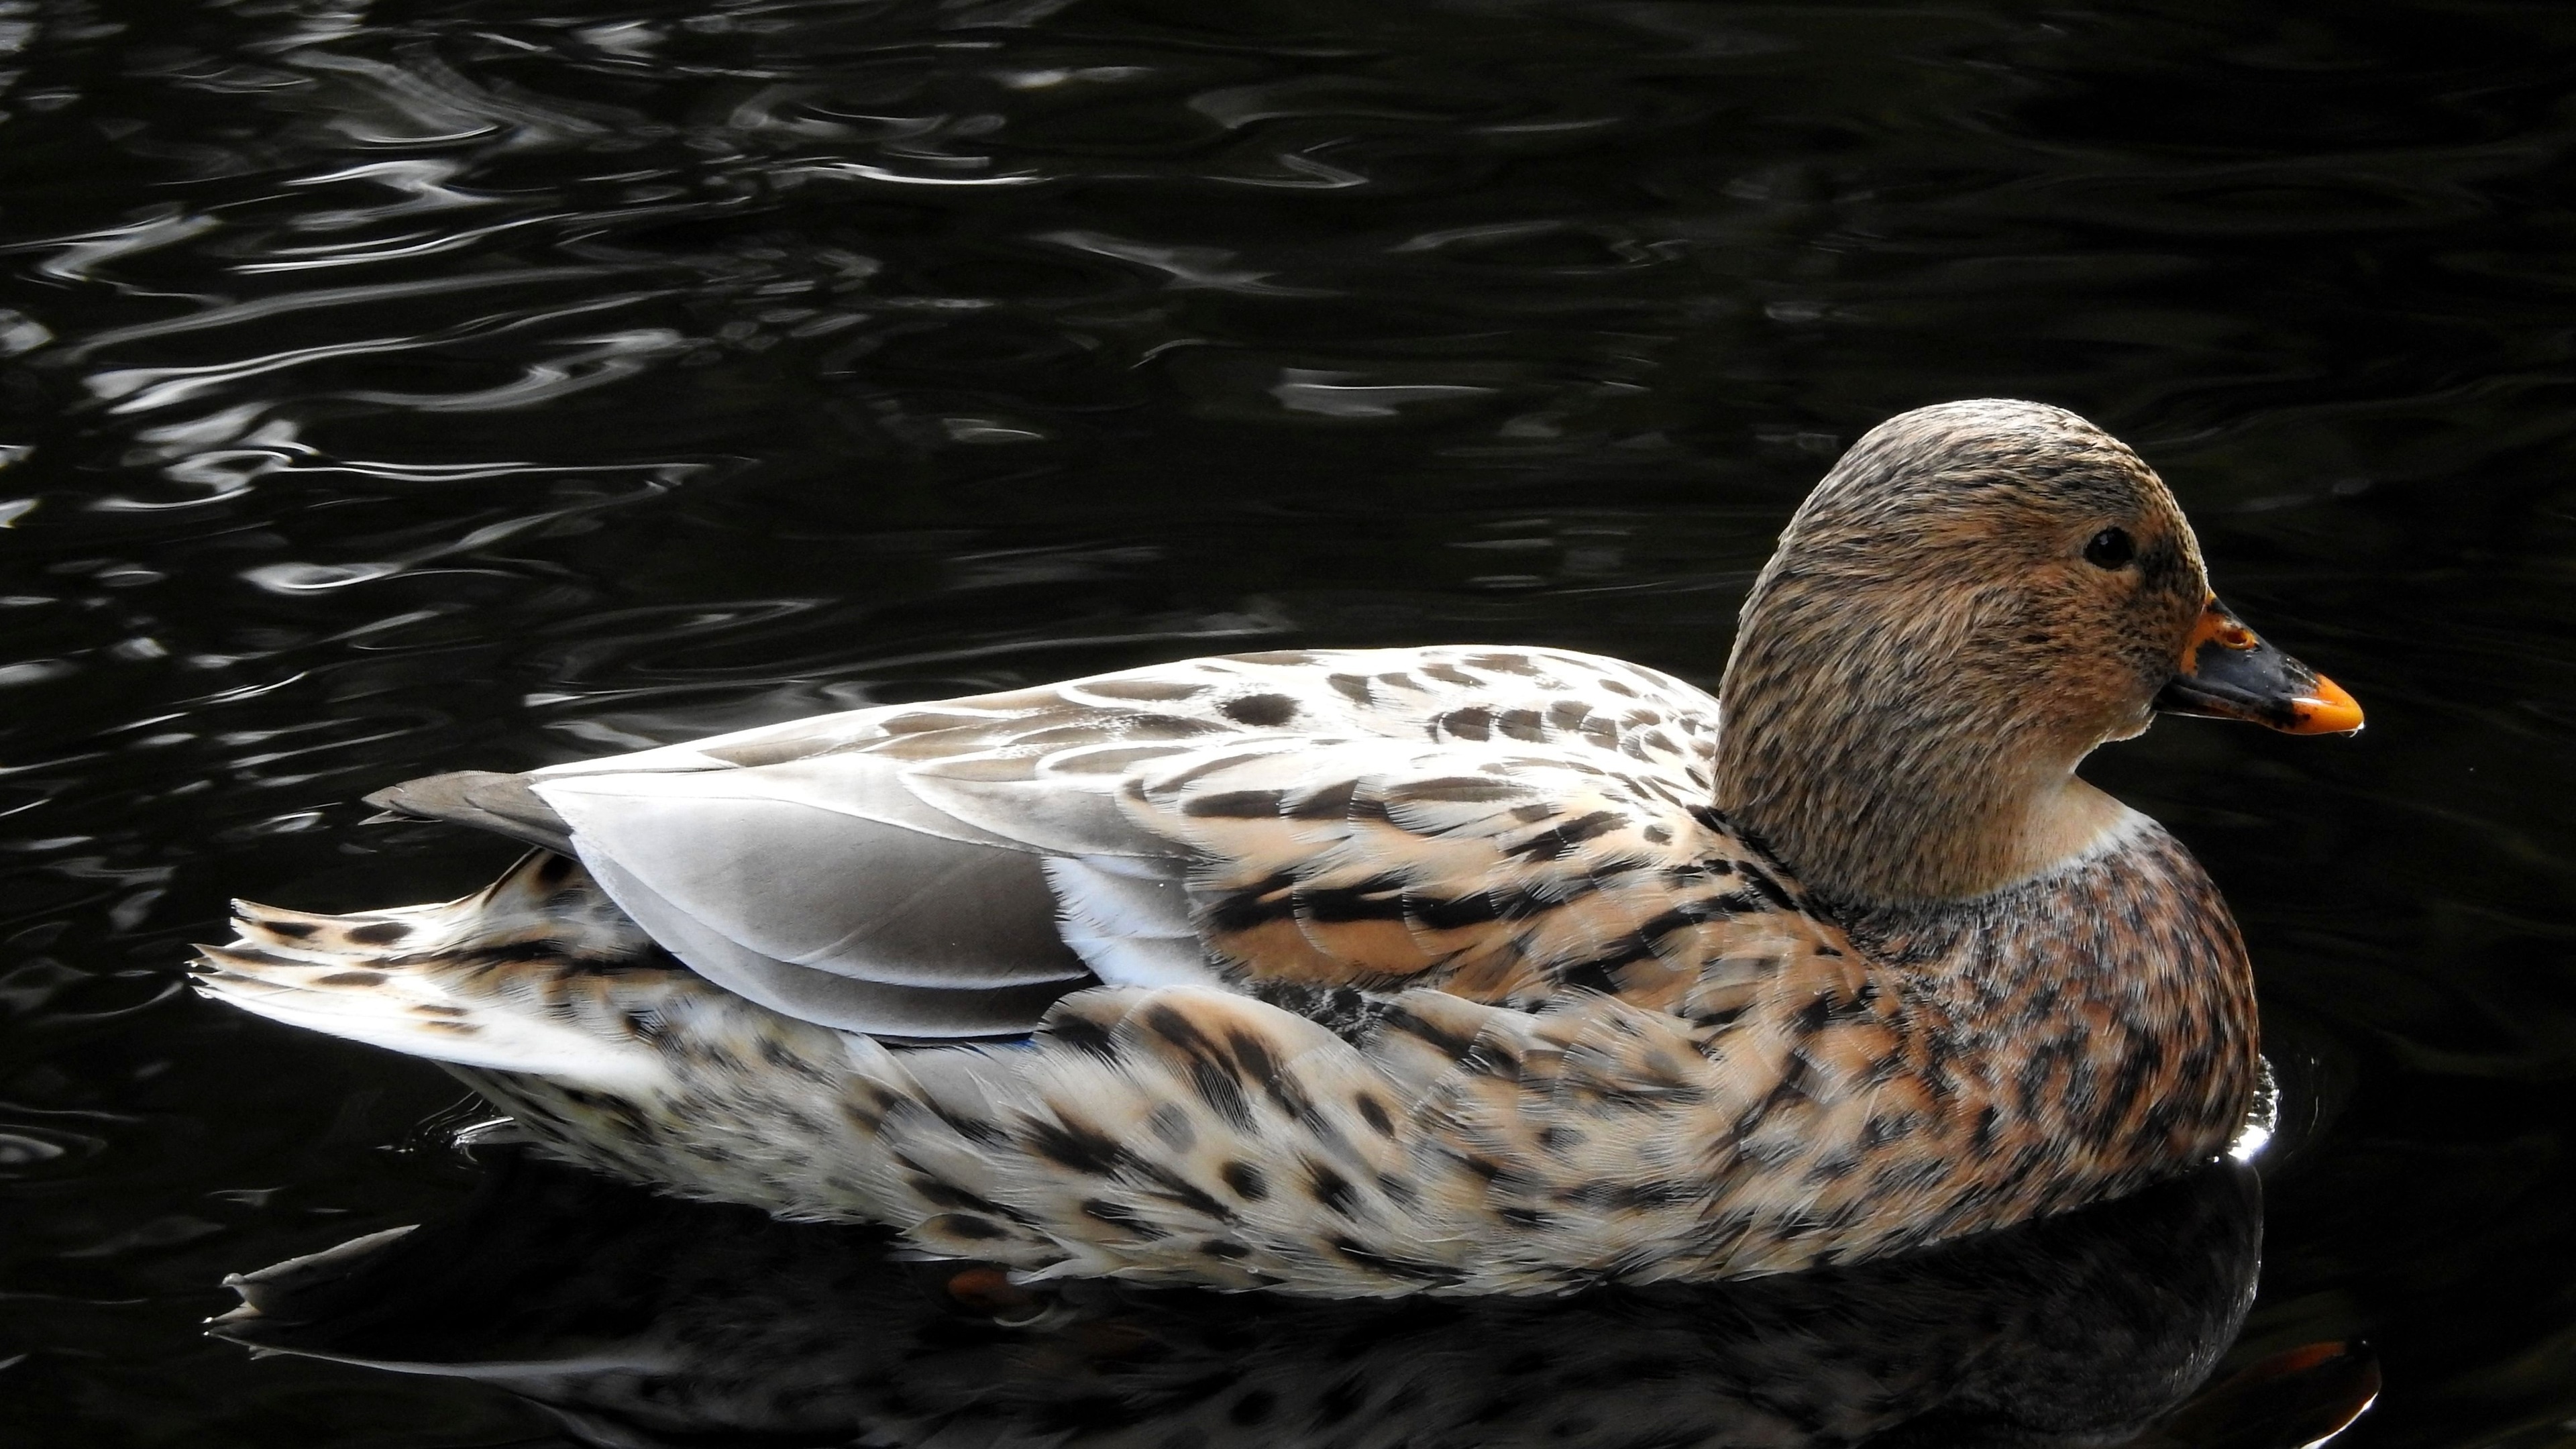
(2325, 710)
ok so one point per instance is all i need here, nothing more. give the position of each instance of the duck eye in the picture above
(2110, 549)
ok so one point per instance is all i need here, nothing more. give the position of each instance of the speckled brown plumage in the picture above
(1455, 969)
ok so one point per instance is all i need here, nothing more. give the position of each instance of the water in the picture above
(413, 386)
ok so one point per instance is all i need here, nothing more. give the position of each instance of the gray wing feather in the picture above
(845, 784)
(856, 891)
(813, 887)
(1054, 814)
(487, 799)
(841, 1002)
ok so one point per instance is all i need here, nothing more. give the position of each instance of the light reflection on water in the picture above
(399, 386)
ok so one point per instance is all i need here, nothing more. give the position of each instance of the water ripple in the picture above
(392, 387)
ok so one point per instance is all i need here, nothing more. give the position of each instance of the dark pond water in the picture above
(405, 386)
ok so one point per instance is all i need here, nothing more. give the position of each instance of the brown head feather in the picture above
(1930, 652)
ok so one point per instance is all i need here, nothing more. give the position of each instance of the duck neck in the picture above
(1879, 830)
(1885, 774)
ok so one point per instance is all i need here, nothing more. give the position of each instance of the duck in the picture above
(1458, 969)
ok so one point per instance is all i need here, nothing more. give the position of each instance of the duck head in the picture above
(1974, 598)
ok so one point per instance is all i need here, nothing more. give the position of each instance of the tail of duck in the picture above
(548, 1001)
(537, 973)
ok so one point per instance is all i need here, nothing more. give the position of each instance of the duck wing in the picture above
(1499, 822)
(1500, 876)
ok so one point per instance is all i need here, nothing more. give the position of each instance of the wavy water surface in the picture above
(390, 387)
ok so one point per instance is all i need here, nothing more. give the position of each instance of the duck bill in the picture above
(2229, 673)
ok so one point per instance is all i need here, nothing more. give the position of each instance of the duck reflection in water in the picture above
(640, 1320)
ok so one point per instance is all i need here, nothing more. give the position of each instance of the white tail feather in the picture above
(413, 1013)
(421, 979)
